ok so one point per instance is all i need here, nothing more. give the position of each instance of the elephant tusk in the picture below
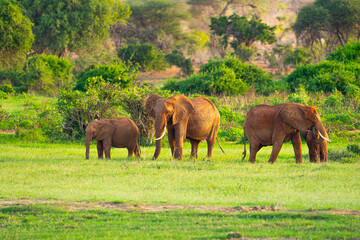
(161, 135)
(324, 137)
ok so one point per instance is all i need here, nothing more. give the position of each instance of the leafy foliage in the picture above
(178, 59)
(16, 37)
(241, 30)
(145, 55)
(80, 108)
(121, 74)
(335, 21)
(62, 25)
(327, 75)
(157, 22)
(43, 74)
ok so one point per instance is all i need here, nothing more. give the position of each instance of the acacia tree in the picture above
(242, 31)
(62, 26)
(157, 22)
(330, 21)
(16, 37)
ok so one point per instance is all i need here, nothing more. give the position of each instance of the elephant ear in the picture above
(183, 107)
(150, 104)
(295, 115)
(106, 130)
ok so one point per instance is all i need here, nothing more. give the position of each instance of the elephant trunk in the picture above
(158, 149)
(323, 136)
(87, 144)
(160, 129)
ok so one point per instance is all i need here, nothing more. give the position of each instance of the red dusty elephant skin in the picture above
(120, 133)
(273, 125)
(196, 120)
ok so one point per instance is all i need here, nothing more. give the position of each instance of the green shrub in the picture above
(145, 55)
(354, 148)
(3, 95)
(178, 59)
(229, 76)
(45, 74)
(335, 100)
(232, 134)
(116, 74)
(7, 88)
(347, 53)
(79, 108)
(340, 71)
(300, 96)
(31, 134)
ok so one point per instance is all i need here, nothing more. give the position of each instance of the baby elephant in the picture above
(120, 133)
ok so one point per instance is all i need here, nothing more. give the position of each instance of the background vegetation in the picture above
(64, 64)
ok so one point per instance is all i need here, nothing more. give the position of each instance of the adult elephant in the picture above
(120, 133)
(195, 119)
(273, 125)
(317, 148)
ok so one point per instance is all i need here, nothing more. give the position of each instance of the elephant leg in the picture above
(275, 150)
(296, 142)
(255, 146)
(100, 149)
(313, 150)
(137, 151)
(180, 134)
(130, 151)
(194, 147)
(210, 143)
(107, 147)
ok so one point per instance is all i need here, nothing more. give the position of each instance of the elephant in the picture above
(120, 133)
(267, 125)
(197, 119)
(316, 149)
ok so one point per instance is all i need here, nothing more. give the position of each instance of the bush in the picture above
(177, 58)
(7, 88)
(300, 96)
(79, 108)
(122, 75)
(145, 55)
(340, 71)
(229, 76)
(347, 53)
(45, 74)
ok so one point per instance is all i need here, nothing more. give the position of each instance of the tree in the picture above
(203, 10)
(241, 30)
(330, 21)
(61, 26)
(16, 37)
(157, 22)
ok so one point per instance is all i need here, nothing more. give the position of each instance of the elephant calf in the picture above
(120, 133)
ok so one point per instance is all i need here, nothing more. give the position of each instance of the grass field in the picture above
(126, 198)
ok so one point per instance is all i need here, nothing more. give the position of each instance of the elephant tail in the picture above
(244, 153)
(220, 145)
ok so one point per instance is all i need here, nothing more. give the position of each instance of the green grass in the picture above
(42, 221)
(61, 171)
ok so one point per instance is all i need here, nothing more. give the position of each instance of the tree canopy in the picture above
(242, 30)
(334, 21)
(157, 22)
(66, 25)
(16, 37)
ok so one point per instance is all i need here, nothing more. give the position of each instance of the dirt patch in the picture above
(10, 131)
(355, 131)
(143, 207)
